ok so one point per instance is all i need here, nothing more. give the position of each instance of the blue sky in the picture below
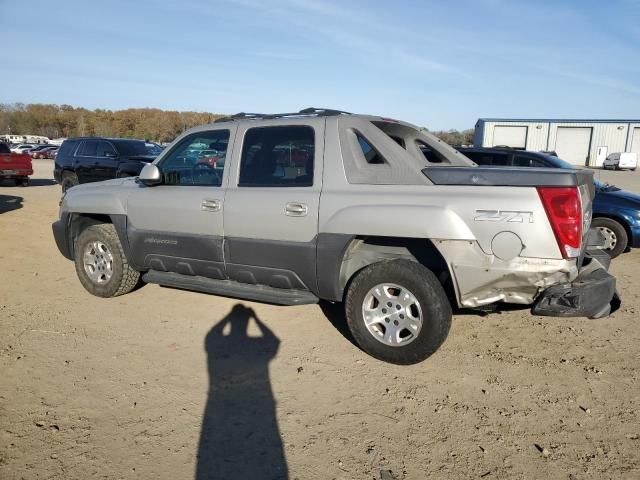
(439, 64)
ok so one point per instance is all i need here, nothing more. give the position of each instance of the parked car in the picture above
(23, 148)
(14, 166)
(93, 159)
(40, 151)
(51, 153)
(618, 161)
(363, 217)
(616, 213)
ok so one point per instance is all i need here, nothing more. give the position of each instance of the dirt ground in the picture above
(120, 388)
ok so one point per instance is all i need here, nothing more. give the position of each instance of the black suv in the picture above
(510, 157)
(93, 159)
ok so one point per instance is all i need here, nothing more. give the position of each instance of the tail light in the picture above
(564, 211)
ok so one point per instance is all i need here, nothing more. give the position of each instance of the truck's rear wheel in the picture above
(69, 179)
(398, 311)
(101, 264)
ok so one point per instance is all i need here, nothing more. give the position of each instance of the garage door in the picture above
(572, 144)
(509, 136)
(635, 141)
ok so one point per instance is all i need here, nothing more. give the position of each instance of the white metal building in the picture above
(581, 142)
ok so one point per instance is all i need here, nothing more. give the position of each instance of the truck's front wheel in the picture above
(101, 264)
(398, 311)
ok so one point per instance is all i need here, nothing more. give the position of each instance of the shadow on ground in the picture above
(240, 437)
(9, 203)
(33, 182)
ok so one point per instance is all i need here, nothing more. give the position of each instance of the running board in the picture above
(229, 288)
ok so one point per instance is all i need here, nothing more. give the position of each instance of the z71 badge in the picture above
(503, 216)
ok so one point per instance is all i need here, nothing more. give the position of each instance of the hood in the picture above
(623, 195)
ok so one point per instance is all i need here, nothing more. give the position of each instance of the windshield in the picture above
(133, 148)
(154, 149)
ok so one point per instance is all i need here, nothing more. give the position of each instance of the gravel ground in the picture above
(152, 384)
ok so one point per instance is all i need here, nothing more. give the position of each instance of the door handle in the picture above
(213, 205)
(294, 209)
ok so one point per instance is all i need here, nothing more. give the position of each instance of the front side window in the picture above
(277, 157)
(197, 160)
(105, 150)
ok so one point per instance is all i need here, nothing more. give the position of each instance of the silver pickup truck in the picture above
(321, 204)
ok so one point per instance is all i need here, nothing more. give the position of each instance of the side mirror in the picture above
(150, 175)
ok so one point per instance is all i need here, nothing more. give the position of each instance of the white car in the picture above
(618, 161)
(22, 148)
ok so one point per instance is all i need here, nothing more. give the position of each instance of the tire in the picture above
(112, 275)
(399, 277)
(69, 179)
(613, 232)
(23, 182)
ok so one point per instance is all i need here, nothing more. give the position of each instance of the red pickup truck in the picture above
(15, 166)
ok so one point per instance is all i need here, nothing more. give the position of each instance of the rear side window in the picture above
(371, 155)
(431, 155)
(88, 148)
(67, 148)
(278, 157)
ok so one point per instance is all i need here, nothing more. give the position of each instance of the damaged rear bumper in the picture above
(591, 294)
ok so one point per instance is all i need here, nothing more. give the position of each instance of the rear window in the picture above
(489, 158)
(525, 161)
(4, 148)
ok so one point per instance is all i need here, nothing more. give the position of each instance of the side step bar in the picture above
(229, 288)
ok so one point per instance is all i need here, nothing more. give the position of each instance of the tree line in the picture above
(56, 121)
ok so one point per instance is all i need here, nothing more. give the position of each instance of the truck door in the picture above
(178, 226)
(271, 211)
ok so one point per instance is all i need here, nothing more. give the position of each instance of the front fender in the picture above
(100, 198)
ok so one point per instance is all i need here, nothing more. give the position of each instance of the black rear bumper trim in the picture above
(591, 295)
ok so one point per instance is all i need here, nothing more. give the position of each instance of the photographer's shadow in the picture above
(240, 436)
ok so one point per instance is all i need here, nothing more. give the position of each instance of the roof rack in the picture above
(310, 111)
